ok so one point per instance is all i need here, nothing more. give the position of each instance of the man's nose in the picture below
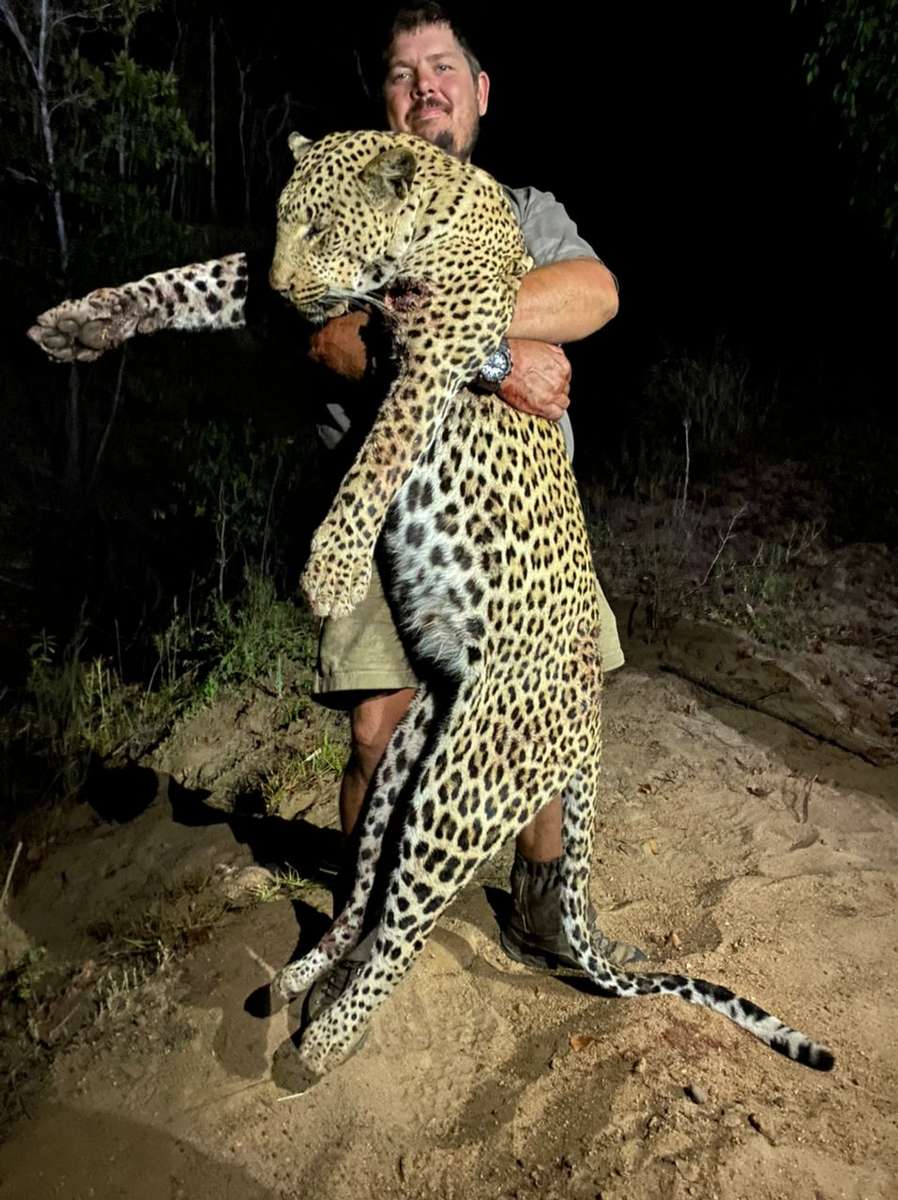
(424, 85)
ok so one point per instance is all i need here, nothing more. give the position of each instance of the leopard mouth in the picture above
(321, 309)
(315, 312)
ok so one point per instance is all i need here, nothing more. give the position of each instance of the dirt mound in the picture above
(732, 844)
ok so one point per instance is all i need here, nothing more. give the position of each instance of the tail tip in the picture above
(823, 1059)
(818, 1057)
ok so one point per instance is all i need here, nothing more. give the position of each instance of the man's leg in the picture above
(540, 841)
(372, 723)
(534, 932)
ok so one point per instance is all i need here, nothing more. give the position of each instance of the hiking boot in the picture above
(534, 934)
(330, 987)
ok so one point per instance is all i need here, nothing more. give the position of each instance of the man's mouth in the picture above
(422, 112)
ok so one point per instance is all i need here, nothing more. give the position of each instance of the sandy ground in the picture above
(733, 845)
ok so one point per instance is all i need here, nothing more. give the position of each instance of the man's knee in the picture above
(373, 722)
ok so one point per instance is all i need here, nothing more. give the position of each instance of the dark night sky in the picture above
(683, 140)
(685, 143)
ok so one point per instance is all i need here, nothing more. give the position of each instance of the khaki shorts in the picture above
(363, 653)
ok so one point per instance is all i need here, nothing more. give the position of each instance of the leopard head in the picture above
(345, 220)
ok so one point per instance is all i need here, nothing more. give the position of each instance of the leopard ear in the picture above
(388, 177)
(298, 144)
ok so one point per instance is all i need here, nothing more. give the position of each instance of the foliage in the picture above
(699, 408)
(77, 709)
(710, 392)
(235, 485)
(101, 133)
(251, 638)
(855, 57)
(124, 165)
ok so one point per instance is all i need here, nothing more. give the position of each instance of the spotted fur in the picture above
(208, 295)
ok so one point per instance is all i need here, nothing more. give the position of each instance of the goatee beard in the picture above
(446, 141)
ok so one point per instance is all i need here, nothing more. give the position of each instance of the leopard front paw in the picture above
(328, 1042)
(336, 578)
(298, 976)
(290, 1072)
(84, 329)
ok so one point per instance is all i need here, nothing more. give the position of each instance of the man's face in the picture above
(429, 90)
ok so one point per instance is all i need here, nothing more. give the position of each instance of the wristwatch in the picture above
(496, 369)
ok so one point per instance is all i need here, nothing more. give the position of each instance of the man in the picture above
(434, 88)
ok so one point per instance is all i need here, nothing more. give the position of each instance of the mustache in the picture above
(422, 105)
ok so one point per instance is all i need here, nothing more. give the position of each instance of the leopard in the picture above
(476, 512)
(472, 511)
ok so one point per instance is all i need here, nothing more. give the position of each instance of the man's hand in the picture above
(338, 345)
(539, 379)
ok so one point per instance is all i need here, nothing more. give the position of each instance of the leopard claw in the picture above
(290, 1072)
(335, 588)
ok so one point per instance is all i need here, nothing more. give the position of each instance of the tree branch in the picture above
(10, 18)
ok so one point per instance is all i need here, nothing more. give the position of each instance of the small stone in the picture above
(696, 1094)
(764, 1129)
(674, 939)
(247, 883)
(638, 1067)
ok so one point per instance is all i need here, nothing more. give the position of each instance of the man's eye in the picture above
(444, 66)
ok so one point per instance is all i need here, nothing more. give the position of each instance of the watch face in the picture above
(497, 366)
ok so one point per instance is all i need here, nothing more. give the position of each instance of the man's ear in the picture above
(483, 92)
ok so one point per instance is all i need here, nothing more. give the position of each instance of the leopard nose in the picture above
(279, 279)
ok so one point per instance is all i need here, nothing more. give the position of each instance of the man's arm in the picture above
(564, 301)
(560, 302)
(338, 345)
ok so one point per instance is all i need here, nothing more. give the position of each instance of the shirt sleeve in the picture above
(550, 234)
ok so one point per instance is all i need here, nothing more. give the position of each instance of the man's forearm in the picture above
(564, 302)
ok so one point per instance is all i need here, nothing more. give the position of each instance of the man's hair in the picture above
(412, 17)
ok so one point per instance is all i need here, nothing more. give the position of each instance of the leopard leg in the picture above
(453, 825)
(399, 760)
(407, 920)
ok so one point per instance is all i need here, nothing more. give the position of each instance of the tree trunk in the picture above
(242, 73)
(213, 204)
(36, 57)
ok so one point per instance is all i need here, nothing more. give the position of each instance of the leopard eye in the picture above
(314, 232)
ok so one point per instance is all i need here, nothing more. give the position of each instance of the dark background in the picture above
(687, 145)
(683, 140)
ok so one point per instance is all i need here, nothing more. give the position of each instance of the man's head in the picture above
(433, 84)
